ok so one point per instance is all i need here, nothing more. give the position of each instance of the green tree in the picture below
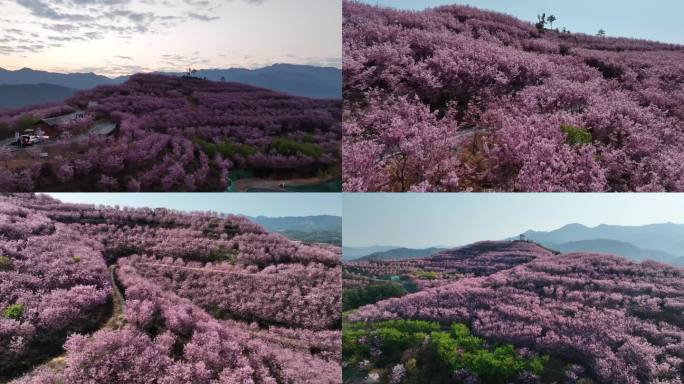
(28, 121)
(5, 263)
(551, 19)
(13, 311)
(353, 298)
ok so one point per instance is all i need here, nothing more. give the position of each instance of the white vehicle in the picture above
(30, 138)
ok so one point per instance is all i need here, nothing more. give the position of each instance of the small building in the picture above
(103, 129)
(64, 119)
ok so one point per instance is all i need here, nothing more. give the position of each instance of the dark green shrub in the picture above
(5, 131)
(353, 298)
(426, 275)
(289, 147)
(28, 121)
(438, 355)
(5, 263)
(13, 311)
(576, 135)
(228, 149)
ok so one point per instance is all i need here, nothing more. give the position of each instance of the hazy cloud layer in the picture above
(115, 37)
(95, 19)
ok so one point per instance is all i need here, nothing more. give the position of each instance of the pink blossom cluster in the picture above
(165, 126)
(457, 99)
(299, 295)
(192, 348)
(621, 320)
(478, 259)
(196, 309)
(55, 275)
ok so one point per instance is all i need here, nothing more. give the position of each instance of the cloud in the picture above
(124, 57)
(199, 17)
(43, 10)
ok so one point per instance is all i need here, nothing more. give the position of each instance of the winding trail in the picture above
(116, 320)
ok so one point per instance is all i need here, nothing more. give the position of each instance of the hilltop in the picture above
(548, 317)
(102, 294)
(454, 98)
(399, 253)
(296, 80)
(174, 134)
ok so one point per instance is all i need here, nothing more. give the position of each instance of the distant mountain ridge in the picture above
(399, 254)
(17, 96)
(300, 223)
(308, 229)
(659, 242)
(297, 80)
(70, 80)
(613, 247)
(351, 253)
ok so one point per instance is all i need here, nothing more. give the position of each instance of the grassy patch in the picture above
(13, 311)
(576, 135)
(426, 275)
(5, 263)
(228, 149)
(289, 147)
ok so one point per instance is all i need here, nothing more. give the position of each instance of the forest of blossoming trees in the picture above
(175, 134)
(610, 320)
(458, 99)
(106, 295)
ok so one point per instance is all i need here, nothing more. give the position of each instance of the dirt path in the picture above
(245, 185)
(115, 321)
(118, 317)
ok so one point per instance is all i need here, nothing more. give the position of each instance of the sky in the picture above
(425, 220)
(252, 204)
(652, 20)
(120, 37)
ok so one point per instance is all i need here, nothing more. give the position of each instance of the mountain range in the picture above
(79, 81)
(36, 87)
(308, 229)
(297, 80)
(613, 247)
(301, 223)
(17, 96)
(352, 253)
(399, 253)
(659, 242)
(663, 242)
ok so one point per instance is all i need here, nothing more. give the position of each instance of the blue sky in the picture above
(422, 220)
(252, 204)
(653, 20)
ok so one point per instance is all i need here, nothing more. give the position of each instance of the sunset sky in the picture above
(120, 37)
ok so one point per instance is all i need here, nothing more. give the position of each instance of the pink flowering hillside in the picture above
(597, 318)
(458, 99)
(164, 133)
(107, 295)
